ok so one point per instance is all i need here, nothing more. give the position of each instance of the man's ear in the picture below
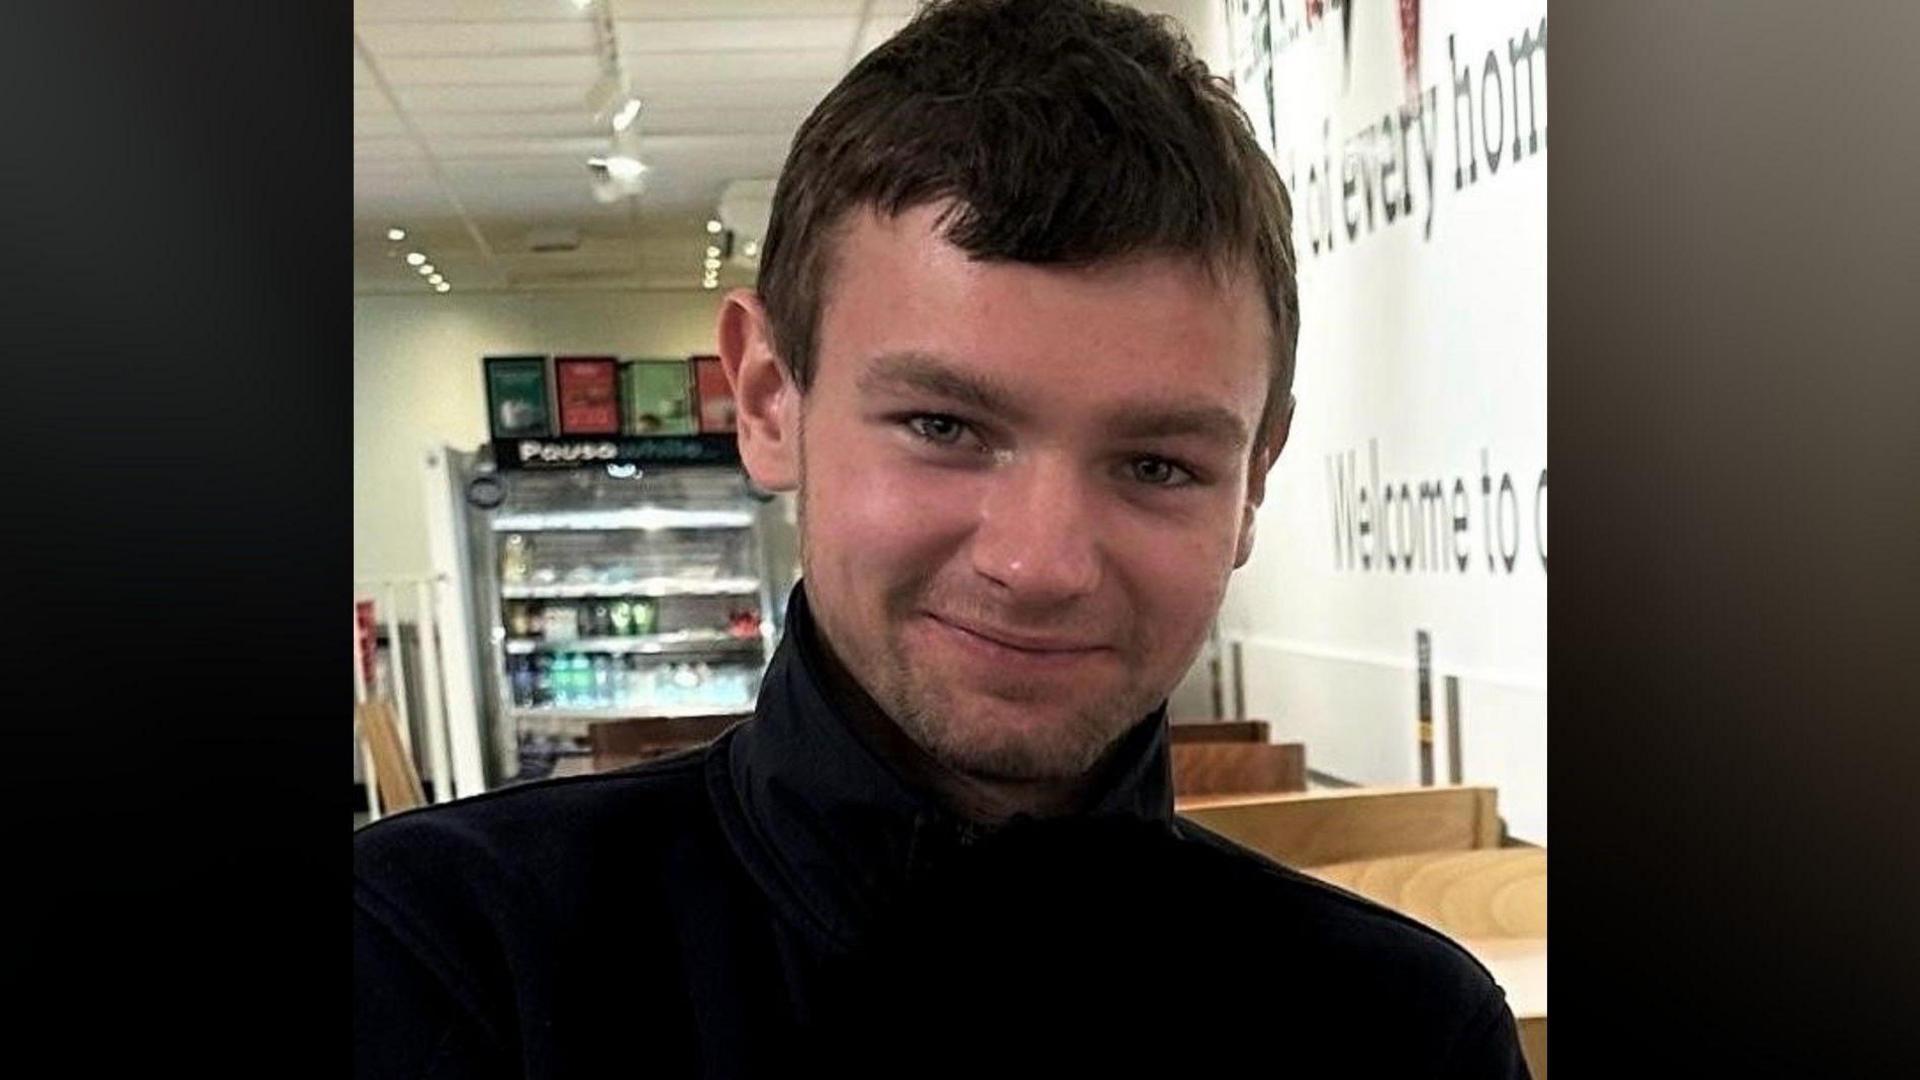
(766, 401)
(1272, 441)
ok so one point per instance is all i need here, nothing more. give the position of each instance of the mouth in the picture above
(1026, 646)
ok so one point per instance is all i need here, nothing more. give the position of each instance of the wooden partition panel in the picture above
(1319, 827)
(1238, 768)
(394, 772)
(619, 743)
(1233, 731)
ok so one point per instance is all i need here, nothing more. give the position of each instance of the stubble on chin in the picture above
(990, 738)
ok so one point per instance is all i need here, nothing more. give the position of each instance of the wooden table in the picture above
(1493, 901)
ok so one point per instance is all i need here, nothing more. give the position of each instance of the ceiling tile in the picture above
(436, 125)
(732, 9)
(643, 37)
(385, 149)
(579, 71)
(472, 148)
(658, 120)
(369, 101)
(369, 12)
(377, 125)
(647, 74)
(493, 99)
(391, 40)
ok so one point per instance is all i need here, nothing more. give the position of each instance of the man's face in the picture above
(1023, 488)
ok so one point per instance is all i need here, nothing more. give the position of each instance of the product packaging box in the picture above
(713, 394)
(588, 391)
(517, 397)
(657, 396)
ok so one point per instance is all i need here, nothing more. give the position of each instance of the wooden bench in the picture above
(1228, 731)
(619, 743)
(1315, 828)
(1238, 768)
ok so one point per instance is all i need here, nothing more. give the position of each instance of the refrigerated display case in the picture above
(613, 591)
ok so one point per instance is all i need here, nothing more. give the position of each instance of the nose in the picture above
(1036, 538)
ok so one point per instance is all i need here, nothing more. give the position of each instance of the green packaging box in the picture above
(657, 397)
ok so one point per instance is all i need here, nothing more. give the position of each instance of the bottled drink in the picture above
(520, 672)
(582, 680)
(637, 690)
(560, 622)
(621, 616)
(516, 559)
(544, 690)
(603, 694)
(602, 619)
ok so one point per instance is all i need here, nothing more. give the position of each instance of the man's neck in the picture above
(988, 801)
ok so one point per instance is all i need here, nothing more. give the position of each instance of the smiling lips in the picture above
(1018, 645)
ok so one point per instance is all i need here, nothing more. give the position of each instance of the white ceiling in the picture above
(470, 128)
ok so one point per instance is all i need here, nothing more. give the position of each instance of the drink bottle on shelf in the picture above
(603, 686)
(544, 690)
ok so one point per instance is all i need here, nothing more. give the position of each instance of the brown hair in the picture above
(1061, 131)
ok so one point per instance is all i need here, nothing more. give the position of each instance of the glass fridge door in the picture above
(624, 592)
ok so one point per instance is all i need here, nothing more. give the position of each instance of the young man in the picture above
(1022, 345)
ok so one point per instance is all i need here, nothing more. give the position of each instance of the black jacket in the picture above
(782, 902)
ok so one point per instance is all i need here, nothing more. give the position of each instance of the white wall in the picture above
(1423, 341)
(417, 383)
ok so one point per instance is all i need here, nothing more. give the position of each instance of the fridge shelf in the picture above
(676, 642)
(630, 712)
(649, 587)
(645, 518)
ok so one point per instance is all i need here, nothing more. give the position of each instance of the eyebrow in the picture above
(1212, 423)
(930, 374)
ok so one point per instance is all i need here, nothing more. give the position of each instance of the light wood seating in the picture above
(1316, 828)
(1232, 731)
(1484, 893)
(1238, 768)
(1493, 901)
(398, 781)
(619, 743)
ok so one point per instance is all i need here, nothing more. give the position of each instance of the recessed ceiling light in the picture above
(435, 278)
(396, 233)
(424, 269)
(750, 249)
(712, 252)
(414, 258)
(623, 117)
(442, 287)
(714, 226)
(713, 264)
(709, 284)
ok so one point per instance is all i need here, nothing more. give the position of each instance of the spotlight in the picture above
(435, 278)
(396, 233)
(414, 258)
(623, 118)
(712, 252)
(714, 226)
(442, 287)
(424, 269)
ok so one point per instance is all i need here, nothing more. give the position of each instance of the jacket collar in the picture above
(829, 829)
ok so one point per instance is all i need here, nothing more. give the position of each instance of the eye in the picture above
(1159, 472)
(936, 428)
